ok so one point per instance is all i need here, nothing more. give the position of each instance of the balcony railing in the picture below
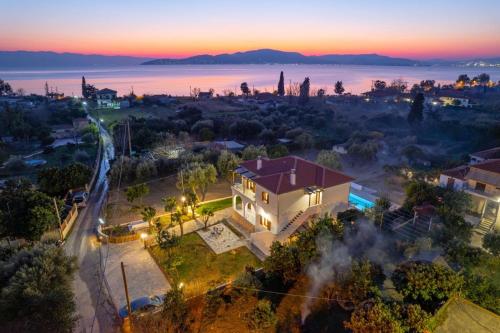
(246, 192)
(485, 194)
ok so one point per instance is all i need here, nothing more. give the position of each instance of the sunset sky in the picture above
(169, 28)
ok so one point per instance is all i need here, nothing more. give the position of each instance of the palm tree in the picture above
(170, 203)
(177, 219)
(148, 214)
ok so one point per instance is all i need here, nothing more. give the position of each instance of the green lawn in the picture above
(216, 205)
(200, 268)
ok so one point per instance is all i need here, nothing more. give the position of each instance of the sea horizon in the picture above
(179, 79)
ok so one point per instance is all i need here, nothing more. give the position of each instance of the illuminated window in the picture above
(265, 197)
(317, 198)
(250, 185)
(265, 222)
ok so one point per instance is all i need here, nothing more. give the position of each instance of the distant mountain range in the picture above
(267, 56)
(28, 59)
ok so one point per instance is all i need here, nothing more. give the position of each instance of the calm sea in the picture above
(177, 80)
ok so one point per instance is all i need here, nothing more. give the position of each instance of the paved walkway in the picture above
(144, 277)
(220, 238)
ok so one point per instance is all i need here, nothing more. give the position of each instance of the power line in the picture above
(102, 277)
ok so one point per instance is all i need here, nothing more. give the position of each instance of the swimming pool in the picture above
(359, 202)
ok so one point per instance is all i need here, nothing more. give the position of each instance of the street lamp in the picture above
(144, 236)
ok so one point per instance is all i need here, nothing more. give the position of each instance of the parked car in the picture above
(143, 305)
(80, 198)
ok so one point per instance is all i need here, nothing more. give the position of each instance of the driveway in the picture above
(144, 277)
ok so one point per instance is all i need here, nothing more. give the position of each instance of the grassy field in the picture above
(110, 116)
(200, 268)
(216, 205)
(61, 156)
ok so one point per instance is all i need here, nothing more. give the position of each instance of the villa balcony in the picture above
(245, 192)
(495, 196)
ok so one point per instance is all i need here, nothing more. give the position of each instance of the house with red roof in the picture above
(274, 197)
(480, 179)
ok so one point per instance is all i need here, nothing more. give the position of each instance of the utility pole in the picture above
(126, 289)
(129, 139)
(58, 219)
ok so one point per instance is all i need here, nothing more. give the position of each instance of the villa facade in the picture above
(106, 99)
(480, 179)
(274, 197)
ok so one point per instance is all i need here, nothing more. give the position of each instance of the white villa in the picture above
(106, 99)
(481, 179)
(274, 197)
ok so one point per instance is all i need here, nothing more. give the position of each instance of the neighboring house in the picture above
(205, 95)
(484, 155)
(124, 104)
(106, 99)
(482, 181)
(273, 197)
(455, 101)
(229, 145)
(62, 131)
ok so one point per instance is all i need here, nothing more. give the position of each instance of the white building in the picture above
(106, 99)
(482, 181)
(273, 197)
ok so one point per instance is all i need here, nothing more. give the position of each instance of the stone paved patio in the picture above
(220, 238)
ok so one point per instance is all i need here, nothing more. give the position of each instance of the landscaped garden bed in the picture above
(198, 268)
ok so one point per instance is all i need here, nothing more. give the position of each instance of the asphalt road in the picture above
(95, 309)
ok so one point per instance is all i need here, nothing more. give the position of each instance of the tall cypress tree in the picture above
(416, 114)
(281, 85)
(304, 91)
(84, 88)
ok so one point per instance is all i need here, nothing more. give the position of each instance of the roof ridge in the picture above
(279, 182)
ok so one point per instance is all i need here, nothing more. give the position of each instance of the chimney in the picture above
(293, 177)
(259, 163)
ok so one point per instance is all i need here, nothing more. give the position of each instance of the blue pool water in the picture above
(359, 202)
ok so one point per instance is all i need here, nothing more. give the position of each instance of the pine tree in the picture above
(416, 114)
(281, 85)
(339, 88)
(304, 91)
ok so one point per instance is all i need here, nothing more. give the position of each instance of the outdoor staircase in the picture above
(410, 229)
(291, 226)
(484, 226)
